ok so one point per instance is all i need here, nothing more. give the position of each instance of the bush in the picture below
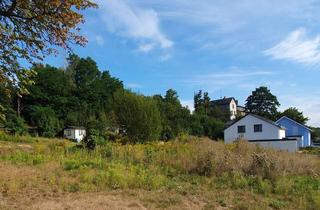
(46, 121)
(16, 125)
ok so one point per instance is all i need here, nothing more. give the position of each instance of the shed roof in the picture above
(75, 127)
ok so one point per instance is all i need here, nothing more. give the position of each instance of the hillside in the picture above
(188, 173)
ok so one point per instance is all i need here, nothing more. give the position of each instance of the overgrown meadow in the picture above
(237, 176)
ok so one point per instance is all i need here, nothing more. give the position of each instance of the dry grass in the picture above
(185, 174)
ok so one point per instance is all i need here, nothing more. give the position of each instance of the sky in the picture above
(227, 48)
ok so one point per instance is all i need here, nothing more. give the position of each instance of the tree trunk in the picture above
(19, 106)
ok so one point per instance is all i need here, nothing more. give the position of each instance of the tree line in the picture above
(83, 95)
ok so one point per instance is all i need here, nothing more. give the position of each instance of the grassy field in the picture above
(189, 173)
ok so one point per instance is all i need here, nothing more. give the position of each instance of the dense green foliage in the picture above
(294, 114)
(82, 95)
(207, 119)
(262, 102)
(139, 116)
(316, 135)
(175, 118)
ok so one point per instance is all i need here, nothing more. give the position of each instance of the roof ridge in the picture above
(259, 117)
(294, 122)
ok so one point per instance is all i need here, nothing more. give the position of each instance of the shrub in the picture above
(203, 165)
(74, 164)
(277, 204)
(263, 166)
(16, 125)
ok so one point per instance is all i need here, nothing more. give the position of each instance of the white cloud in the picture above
(188, 103)
(134, 22)
(309, 104)
(99, 40)
(133, 85)
(165, 56)
(297, 47)
(146, 47)
(259, 16)
(235, 77)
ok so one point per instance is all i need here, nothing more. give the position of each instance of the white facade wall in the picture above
(282, 133)
(233, 109)
(269, 131)
(285, 145)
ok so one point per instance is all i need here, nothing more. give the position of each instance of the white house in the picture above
(74, 133)
(259, 130)
(228, 105)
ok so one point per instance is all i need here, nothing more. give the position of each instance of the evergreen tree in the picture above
(262, 102)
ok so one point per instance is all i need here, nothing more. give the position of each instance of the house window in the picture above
(241, 129)
(81, 132)
(257, 128)
(68, 132)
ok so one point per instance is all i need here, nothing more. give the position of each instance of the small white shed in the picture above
(74, 133)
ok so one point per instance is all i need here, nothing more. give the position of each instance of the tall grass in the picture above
(185, 166)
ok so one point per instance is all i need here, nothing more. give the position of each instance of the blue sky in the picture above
(227, 48)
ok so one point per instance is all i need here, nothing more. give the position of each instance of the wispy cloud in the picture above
(236, 77)
(136, 23)
(133, 85)
(297, 47)
(309, 104)
(224, 24)
(99, 40)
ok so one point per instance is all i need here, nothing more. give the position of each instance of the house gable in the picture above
(293, 121)
(296, 129)
(259, 117)
(253, 127)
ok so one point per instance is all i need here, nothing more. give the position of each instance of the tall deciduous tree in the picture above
(262, 102)
(30, 30)
(174, 117)
(295, 114)
(139, 115)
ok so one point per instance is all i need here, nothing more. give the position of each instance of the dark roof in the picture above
(223, 101)
(268, 140)
(294, 136)
(229, 123)
(75, 127)
(259, 117)
(294, 122)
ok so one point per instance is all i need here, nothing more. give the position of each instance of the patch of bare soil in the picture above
(95, 201)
